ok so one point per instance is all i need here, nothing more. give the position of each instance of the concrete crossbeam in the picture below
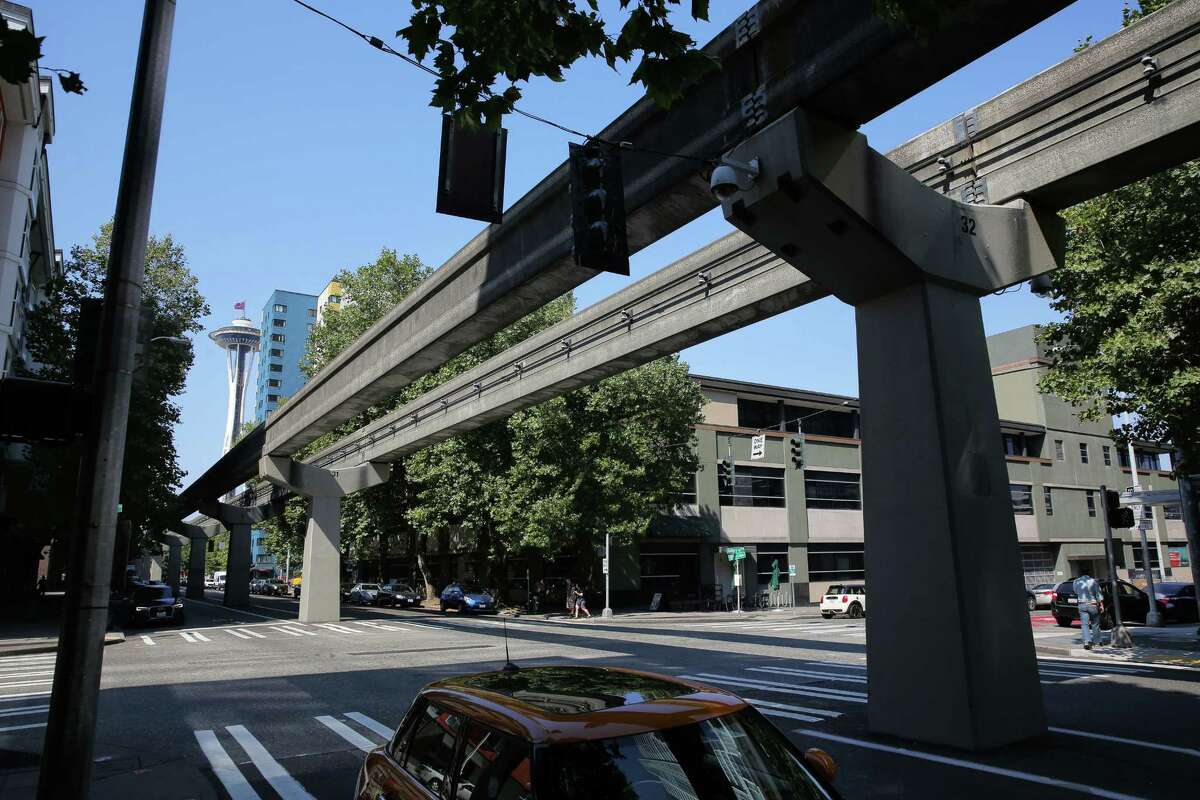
(834, 58)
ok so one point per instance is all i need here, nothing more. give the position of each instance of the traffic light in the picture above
(1118, 516)
(797, 448)
(598, 208)
(725, 475)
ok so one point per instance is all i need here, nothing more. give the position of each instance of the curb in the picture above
(51, 645)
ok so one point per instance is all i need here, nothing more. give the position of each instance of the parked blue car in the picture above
(467, 597)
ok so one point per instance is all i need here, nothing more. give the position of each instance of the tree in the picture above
(477, 43)
(605, 458)
(151, 474)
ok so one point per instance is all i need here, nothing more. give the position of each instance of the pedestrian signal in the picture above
(1118, 516)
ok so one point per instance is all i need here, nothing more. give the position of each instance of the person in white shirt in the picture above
(1091, 606)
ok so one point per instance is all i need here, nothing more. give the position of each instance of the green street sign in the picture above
(735, 553)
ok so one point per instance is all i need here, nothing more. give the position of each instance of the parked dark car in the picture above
(1134, 604)
(588, 733)
(278, 588)
(371, 594)
(1176, 601)
(405, 595)
(151, 603)
(467, 596)
(258, 586)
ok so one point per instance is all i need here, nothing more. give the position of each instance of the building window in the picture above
(1148, 512)
(1022, 498)
(1173, 511)
(280, 308)
(767, 554)
(1060, 454)
(274, 383)
(687, 493)
(1107, 451)
(759, 414)
(1049, 498)
(836, 562)
(754, 486)
(278, 322)
(272, 398)
(312, 312)
(1091, 502)
(1083, 453)
(1014, 444)
(277, 337)
(1145, 461)
(832, 489)
(276, 352)
(334, 298)
(275, 367)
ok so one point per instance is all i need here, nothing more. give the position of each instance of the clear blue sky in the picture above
(291, 150)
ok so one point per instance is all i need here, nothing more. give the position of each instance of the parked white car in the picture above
(848, 599)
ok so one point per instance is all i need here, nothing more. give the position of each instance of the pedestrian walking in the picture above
(580, 603)
(1091, 606)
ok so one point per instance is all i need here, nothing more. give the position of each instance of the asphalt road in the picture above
(245, 697)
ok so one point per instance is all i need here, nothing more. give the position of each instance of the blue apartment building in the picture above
(286, 320)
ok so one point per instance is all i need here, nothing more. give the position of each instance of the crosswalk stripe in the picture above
(370, 724)
(772, 712)
(187, 637)
(23, 683)
(1060, 674)
(302, 631)
(223, 767)
(768, 684)
(27, 674)
(23, 710)
(23, 727)
(831, 676)
(798, 709)
(255, 634)
(1187, 751)
(284, 784)
(779, 689)
(5, 698)
(346, 732)
(377, 625)
(1093, 667)
(23, 659)
(340, 629)
(282, 629)
(149, 640)
(201, 637)
(236, 633)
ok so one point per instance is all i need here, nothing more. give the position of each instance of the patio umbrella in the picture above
(774, 575)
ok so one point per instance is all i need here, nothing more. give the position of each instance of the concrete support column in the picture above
(953, 662)
(174, 554)
(320, 594)
(320, 590)
(196, 567)
(237, 567)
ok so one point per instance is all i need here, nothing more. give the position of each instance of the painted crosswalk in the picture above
(239, 759)
(288, 629)
(25, 682)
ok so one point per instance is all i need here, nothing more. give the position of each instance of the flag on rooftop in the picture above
(239, 306)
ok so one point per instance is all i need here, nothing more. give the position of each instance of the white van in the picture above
(849, 599)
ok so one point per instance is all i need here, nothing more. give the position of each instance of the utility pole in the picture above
(66, 767)
(607, 613)
(1153, 617)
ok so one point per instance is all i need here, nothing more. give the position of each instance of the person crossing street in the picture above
(1091, 606)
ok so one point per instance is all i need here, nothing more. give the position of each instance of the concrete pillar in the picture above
(320, 590)
(953, 661)
(196, 559)
(174, 554)
(950, 656)
(237, 567)
(320, 593)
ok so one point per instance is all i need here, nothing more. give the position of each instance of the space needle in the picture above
(240, 340)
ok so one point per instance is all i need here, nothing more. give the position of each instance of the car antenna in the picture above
(509, 667)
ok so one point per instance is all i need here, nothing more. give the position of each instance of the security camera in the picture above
(730, 177)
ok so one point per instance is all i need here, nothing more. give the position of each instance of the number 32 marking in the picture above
(968, 225)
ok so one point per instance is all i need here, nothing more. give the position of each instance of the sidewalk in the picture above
(623, 615)
(1176, 645)
(34, 628)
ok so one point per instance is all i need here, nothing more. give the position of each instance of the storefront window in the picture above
(836, 562)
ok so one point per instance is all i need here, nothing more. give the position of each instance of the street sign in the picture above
(758, 447)
(791, 570)
(1145, 524)
(1157, 497)
(735, 553)
(1175, 558)
(737, 579)
(604, 566)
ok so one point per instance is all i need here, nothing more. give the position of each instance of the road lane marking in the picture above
(23, 727)
(237, 610)
(346, 732)
(370, 724)
(284, 784)
(24, 683)
(330, 626)
(1058, 674)
(780, 689)
(7, 697)
(790, 712)
(1097, 662)
(238, 634)
(282, 629)
(760, 682)
(1097, 667)
(187, 637)
(771, 712)
(301, 630)
(958, 762)
(223, 767)
(1122, 740)
(23, 710)
(831, 676)
(378, 626)
(255, 634)
(201, 637)
(149, 640)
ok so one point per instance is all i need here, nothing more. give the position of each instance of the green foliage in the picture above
(476, 43)
(1130, 291)
(19, 53)
(151, 474)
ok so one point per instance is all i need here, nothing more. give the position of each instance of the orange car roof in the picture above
(575, 703)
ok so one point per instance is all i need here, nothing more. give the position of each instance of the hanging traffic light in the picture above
(797, 448)
(598, 208)
(1118, 515)
(725, 475)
